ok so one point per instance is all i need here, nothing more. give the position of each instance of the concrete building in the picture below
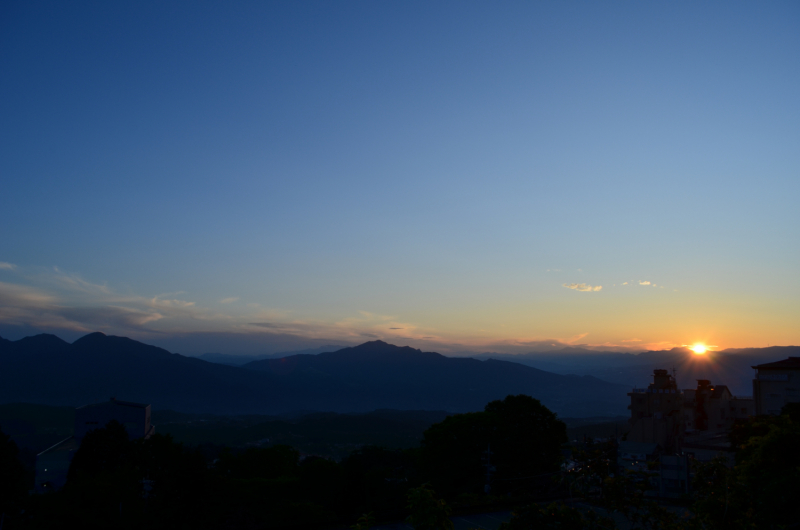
(656, 412)
(664, 415)
(775, 385)
(712, 408)
(673, 475)
(53, 463)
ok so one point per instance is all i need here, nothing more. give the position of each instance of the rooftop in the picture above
(790, 363)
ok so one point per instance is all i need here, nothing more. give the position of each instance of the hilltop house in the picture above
(52, 464)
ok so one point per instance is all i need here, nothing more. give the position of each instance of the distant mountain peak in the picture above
(91, 337)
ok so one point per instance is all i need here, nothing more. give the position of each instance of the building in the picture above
(712, 408)
(775, 385)
(134, 416)
(664, 415)
(673, 475)
(53, 463)
(656, 412)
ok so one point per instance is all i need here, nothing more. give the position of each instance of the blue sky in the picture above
(459, 171)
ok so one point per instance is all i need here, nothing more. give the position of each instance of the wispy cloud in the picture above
(229, 300)
(49, 298)
(583, 287)
(6, 266)
(644, 282)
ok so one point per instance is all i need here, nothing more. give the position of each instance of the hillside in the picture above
(45, 369)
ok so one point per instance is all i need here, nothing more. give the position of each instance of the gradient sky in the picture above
(254, 176)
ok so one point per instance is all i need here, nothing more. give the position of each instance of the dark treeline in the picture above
(158, 483)
(114, 482)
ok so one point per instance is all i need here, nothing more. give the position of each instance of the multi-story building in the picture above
(666, 416)
(776, 384)
(53, 464)
(656, 412)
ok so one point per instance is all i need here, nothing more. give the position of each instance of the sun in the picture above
(699, 349)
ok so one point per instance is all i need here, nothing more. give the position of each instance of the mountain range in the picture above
(239, 360)
(374, 375)
(730, 367)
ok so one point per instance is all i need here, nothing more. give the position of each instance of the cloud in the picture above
(6, 266)
(583, 287)
(396, 328)
(624, 283)
(229, 300)
(645, 282)
(570, 340)
(52, 299)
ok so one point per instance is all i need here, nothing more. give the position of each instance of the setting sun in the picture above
(699, 349)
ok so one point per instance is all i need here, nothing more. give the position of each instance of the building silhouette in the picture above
(664, 415)
(775, 385)
(53, 463)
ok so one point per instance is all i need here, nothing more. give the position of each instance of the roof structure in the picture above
(790, 363)
(65, 445)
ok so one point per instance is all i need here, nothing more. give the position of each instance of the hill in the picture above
(406, 378)
(731, 367)
(375, 375)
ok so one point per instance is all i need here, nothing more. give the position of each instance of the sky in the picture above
(253, 177)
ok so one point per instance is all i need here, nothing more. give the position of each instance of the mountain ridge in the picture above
(356, 379)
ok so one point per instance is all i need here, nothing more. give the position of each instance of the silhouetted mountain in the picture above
(240, 360)
(406, 378)
(730, 367)
(375, 375)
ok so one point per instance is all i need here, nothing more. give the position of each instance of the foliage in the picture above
(596, 478)
(115, 482)
(12, 477)
(377, 479)
(364, 522)
(428, 512)
(556, 516)
(524, 437)
(761, 491)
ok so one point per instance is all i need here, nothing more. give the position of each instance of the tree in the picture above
(529, 437)
(525, 439)
(12, 477)
(428, 512)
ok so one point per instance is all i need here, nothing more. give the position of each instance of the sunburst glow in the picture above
(699, 349)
